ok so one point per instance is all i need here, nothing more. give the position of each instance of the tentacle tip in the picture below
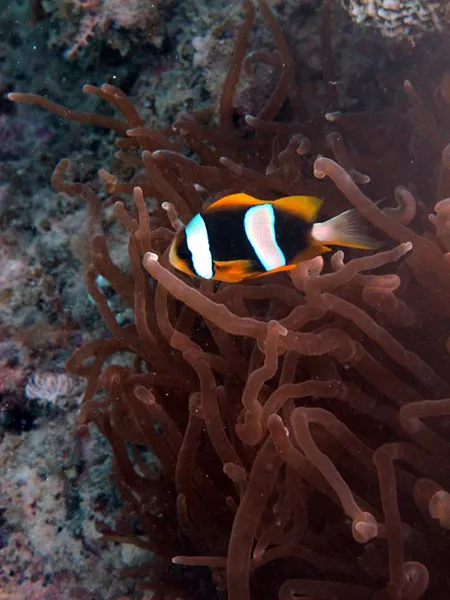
(417, 580)
(364, 527)
(282, 330)
(275, 421)
(150, 257)
(333, 116)
(144, 395)
(360, 178)
(440, 508)
(318, 172)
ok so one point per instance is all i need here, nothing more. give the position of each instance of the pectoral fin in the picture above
(233, 270)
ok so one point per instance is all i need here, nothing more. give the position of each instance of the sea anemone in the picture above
(291, 435)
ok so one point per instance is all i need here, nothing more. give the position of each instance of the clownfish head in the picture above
(190, 251)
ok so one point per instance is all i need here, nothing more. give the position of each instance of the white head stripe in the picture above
(197, 241)
(259, 225)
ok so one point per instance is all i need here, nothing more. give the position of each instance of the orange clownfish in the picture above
(239, 237)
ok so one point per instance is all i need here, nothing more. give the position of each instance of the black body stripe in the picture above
(293, 234)
(228, 240)
(183, 251)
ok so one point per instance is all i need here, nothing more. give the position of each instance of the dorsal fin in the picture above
(306, 207)
(235, 201)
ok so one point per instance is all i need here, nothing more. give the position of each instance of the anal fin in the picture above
(315, 249)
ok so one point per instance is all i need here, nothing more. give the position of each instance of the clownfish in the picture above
(240, 237)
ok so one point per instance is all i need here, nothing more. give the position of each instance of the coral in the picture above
(12, 270)
(400, 19)
(100, 15)
(43, 542)
(290, 435)
(10, 377)
(57, 388)
(18, 135)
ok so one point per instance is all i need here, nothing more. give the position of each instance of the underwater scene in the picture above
(224, 300)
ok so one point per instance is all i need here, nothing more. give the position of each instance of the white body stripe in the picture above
(259, 225)
(197, 241)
